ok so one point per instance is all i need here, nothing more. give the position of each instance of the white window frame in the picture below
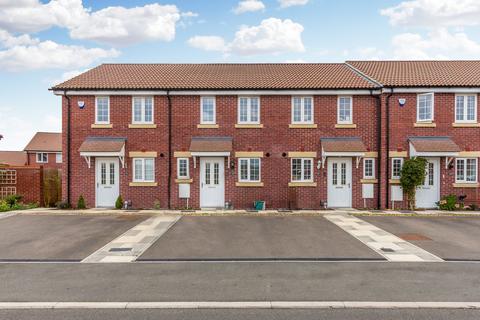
(465, 107)
(351, 110)
(302, 169)
(373, 168)
(58, 156)
(249, 170)
(178, 168)
(214, 121)
(249, 110)
(41, 154)
(96, 110)
(142, 121)
(465, 170)
(433, 107)
(142, 179)
(401, 166)
(302, 108)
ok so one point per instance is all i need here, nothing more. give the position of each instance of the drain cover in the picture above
(413, 236)
(387, 250)
(120, 249)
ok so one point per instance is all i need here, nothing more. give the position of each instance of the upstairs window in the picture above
(143, 170)
(425, 107)
(42, 157)
(368, 168)
(344, 113)
(58, 157)
(207, 110)
(249, 169)
(142, 110)
(466, 108)
(102, 110)
(302, 170)
(249, 110)
(302, 110)
(182, 167)
(397, 164)
(466, 170)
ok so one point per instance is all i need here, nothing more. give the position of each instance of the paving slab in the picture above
(56, 237)
(256, 238)
(451, 238)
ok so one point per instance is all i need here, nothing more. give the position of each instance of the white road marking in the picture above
(382, 242)
(244, 305)
(131, 244)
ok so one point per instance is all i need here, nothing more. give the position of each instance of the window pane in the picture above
(103, 173)
(137, 109)
(471, 170)
(297, 109)
(216, 173)
(207, 173)
(112, 173)
(343, 173)
(148, 110)
(460, 170)
(138, 169)
(396, 168)
(460, 108)
(254, 110)
(243, 109)
(58, 157)
(334, 174)
(345, 109)
(182, 168)
(208, 110)
(243, 169)
(102, 109)
(430, 173)
(296, 169)
(425, 107)
(149, 170)
(307, 169)
(368, 170)
(471, 112)
(254, 169)
(307, 109)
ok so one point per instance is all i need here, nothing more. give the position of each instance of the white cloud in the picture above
(207, 43)
(290, 3)
(249, 6)
(433, 13)
(439, 44)
(112, 25)
(31, 54)
(272, 36)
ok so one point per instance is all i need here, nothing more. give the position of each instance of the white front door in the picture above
(429, 193)
(339, 182)
(212, 182)
(107, 181)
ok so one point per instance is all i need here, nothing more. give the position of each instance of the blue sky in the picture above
(45, 42)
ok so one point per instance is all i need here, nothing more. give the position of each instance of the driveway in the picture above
(55, 237)
(450, 238)
(256, 237)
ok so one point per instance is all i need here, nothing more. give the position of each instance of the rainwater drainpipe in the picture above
(68, 145)
(387, 151)
(169, 184)
(378, 107)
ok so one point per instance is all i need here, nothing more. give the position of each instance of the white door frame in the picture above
(97, 178)
(436, 182)
(220, 196)
(346, 189)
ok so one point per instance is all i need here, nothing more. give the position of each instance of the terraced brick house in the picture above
(293, 135)
(45, 149)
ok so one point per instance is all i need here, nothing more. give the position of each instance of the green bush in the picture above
(157, 205)
(449, 203)
(81, 203)
(13, 200)
(4, 206)
(412, 176)
(119, 203)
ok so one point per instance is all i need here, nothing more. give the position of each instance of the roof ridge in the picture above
(363, 75)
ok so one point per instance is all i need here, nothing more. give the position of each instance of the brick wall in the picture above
(51, 164)
(29, 183)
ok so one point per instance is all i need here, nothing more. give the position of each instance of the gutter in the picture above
(387, 151)
(68, 145)
(169, 184)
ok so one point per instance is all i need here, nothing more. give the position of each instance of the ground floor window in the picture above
(369, 168)
(143, 170)
(249, 169)
(466, 170)
(302, 169)
(397, 164)
(182, 168)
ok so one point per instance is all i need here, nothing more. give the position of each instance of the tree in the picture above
(412, 176)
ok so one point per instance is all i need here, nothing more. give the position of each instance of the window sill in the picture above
(466, 125)
(302, 126)
(248, 126)
(143, 184)
(142, 126)
(369, 181)
(302, 184)
(424, 124)
(249, 184)
(101, 126)
(394, 181)
(207, 126)
(183, 181)
(466, 185)
(345, 126)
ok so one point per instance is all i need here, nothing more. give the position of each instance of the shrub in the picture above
(119, 203)
(157, 205)
(81, 203)
(449, 203)
(63, 205)
(412, 176)
(4, 206)
(13, 200)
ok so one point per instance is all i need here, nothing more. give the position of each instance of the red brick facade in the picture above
(275, 140)
(51, 164)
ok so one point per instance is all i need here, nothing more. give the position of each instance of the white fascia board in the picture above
(343, 154)
(434, 90)
(214, 92)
